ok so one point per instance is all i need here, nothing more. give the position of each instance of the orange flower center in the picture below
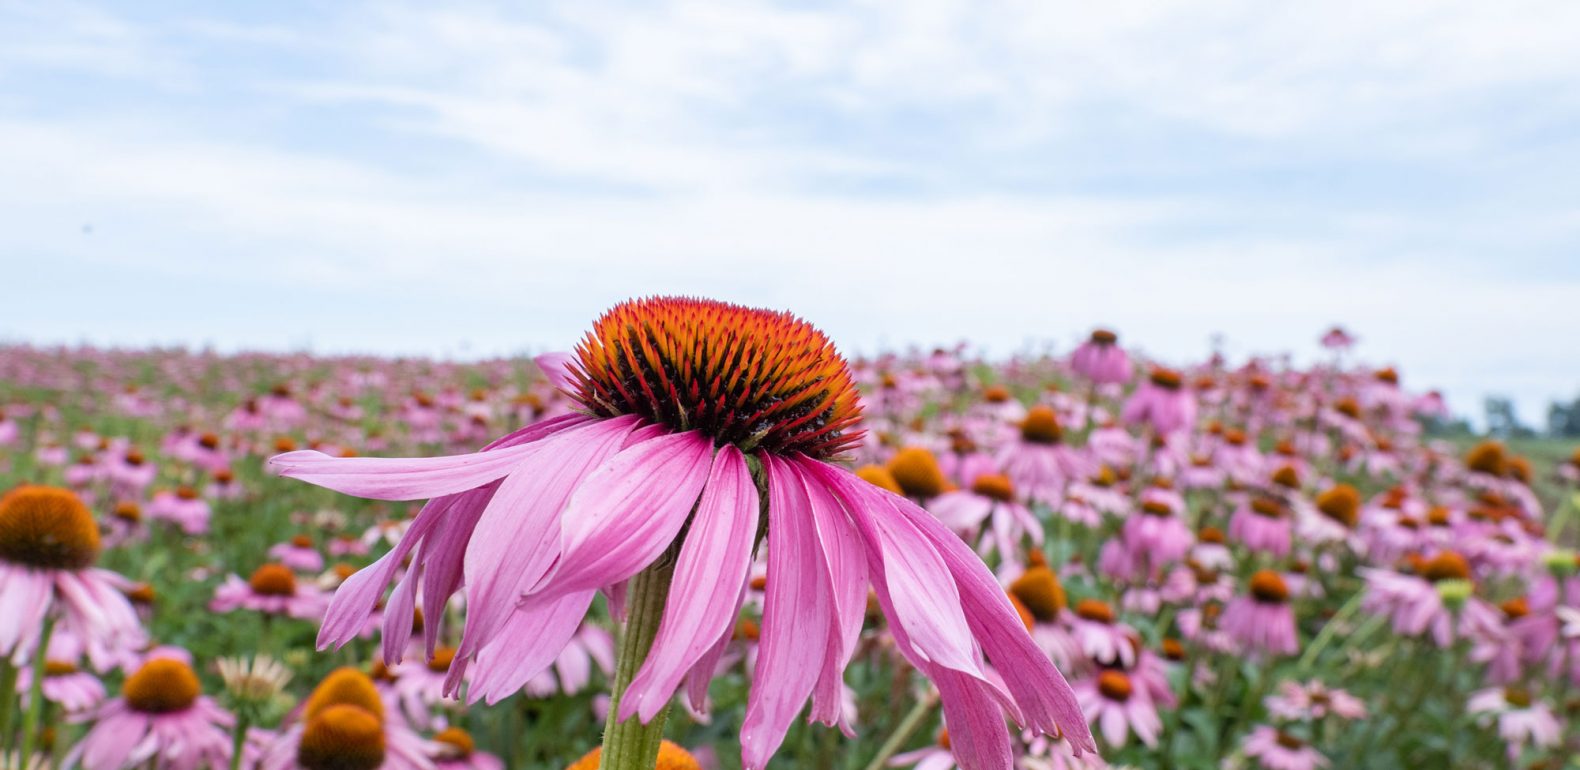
(1269, 587)
(344, 687)
(994, 485)
(1104, 337)
(161, 686)
(1168, 379)
(1267, 506)
(917, 473)
(1114, 685)
(1039, 590)
(342, 737)
(1446, 566)
(744, 376)
(1095, 610)
(1041, 426)
(670, 757)
(442, 657)
(1342, 504)
(459, 742)
(273, 580)
(47, 528)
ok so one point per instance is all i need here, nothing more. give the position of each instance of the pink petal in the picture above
(402, 478)
(559, 367)
(797, 614)
(701, 674)
(517, 538)
(716, 555)
(844, 554)
(628, 511)
(528, 642)
(978, 736)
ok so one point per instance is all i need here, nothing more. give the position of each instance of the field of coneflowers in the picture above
(703, 524)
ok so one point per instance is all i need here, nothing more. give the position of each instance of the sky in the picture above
(469, 179)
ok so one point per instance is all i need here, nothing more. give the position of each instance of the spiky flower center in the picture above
(916, 471)
(302, 541)
(670, 757)
(744, 376)
(1041, 426)
(1104, 337)
(996, 486)
(1039, 590)
(1167, 379)
(1289, 741)
(456, 742)
(342, 737)
(1446, 566)
(1267, 506)
(273, 580)
(441, 660)
(47, 528)
(161, 686)
(1342, 504)
(1114, 685)
(128, 511)
(344, 686)
(1095, 610)
(1269, 587)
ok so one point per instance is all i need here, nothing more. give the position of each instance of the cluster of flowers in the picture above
(1255, 561)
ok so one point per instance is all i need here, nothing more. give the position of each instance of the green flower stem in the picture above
(35, 695)
(904, 731)
(631, 745)
(8, 698)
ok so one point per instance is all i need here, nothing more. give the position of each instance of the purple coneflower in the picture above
(1263, 621)
(693, 411)
(163, 716)
(272, 590)
(1275, 749)
(1101, 360)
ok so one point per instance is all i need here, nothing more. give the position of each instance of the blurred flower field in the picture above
(1240, 564)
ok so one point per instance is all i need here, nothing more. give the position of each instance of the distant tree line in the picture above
(1563, 420)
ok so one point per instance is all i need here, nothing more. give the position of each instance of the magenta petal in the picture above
(442, 558)
(925, 599)
(1046, 700)
(626, 513)
(517, 538)
(356, 598)
(844, 554)
(797, 603)
(401, 478)
(537, 431)
(978, 736)
(528, 642)
(716, 555)
(701, 674)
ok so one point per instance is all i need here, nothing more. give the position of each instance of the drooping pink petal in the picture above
(716, 555)
(357, 597)
(402, 478)
(442, 559)
(1041, 691)
(626, 513)
(978, 736)
(844, 554)
(797, 601)
(926, 600)
(529, 641)
(517, 538)
(537, 431)
(701, 674)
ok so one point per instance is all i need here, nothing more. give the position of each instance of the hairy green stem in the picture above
(631, 745)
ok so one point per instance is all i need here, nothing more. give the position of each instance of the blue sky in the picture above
(477, 178)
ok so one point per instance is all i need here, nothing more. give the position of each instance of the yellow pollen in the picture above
(1039, 589)
(1095, 610)
(273, 580)
(161, 686)
(1114, 685)
(47, 528)
(744, 376)
(994, 485)
(880, 477)
(342, 737)
(1041, 426)
(916, 471)
(344, 686)
(1269, 587)
(670, 757)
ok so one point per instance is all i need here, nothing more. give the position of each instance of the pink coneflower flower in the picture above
(162, 716)
(990, 499)
(1417, 603)
(1116, 707)
(682, 398)
(1101, 636)
(1263, 621)
(457, 751)
(48, 544)
(1275, 749)
(64, 684)
(273, 590)
(1161, 402)
(1262, 524)
(1337, 338)
(182, 507)
(421, 687)
(131, 472)
(298, 553)
(1520, 719)
(1101, 360)
(1040, 464)
(1313, 700)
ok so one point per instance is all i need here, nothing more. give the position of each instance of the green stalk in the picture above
(631, 745)
(243, 721)
(35, 695)
(8, 675)
(904, 731)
